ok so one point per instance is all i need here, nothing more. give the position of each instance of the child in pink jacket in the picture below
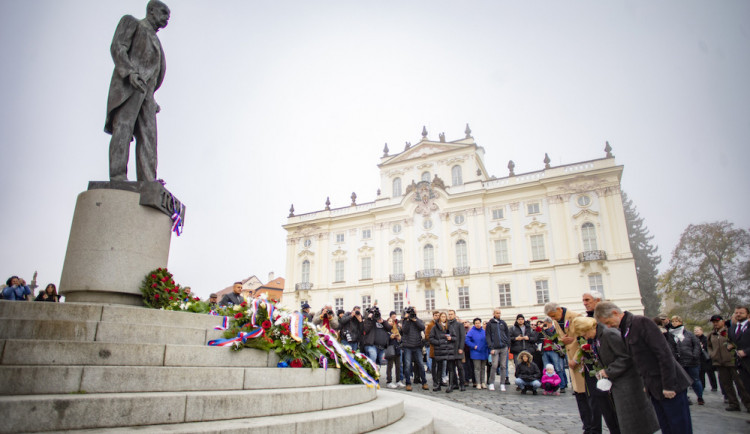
(550, 380)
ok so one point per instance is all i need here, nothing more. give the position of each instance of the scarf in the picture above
(677, 333)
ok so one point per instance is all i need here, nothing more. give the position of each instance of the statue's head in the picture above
(157, 13)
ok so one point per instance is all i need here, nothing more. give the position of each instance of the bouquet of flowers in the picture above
(587, 357)
(161, 292)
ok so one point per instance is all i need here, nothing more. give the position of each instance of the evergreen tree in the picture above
(645, 256)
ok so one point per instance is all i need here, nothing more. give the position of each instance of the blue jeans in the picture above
(557, 361)
(694, 373)
(413, 354)
(375, 354)
(533, 385)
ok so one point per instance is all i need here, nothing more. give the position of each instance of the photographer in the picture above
(375, 337)
(16, 289)
(327, 319)
(351, 328)
(411, 340)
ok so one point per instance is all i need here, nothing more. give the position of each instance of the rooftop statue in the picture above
(131, 108)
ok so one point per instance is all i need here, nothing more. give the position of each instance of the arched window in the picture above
(426, 176)
(461, 259)
(398, 261)
(429, 256)
(588, 233)
(456, 175)
(306, 271)
(397, 187)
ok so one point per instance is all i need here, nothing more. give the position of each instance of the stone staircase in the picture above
(78, 367)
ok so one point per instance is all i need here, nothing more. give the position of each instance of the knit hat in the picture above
(519, 316)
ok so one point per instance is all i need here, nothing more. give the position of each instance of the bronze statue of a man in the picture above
(131, 108)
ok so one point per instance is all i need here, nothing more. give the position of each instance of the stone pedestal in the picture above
(114, 241)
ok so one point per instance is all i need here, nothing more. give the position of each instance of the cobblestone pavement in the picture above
(559, 414)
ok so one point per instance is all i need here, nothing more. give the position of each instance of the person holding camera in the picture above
(375, 336)
(351, 328)
(411, 341)
(327, 319)
(16, 290)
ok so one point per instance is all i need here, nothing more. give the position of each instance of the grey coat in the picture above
(635, 413)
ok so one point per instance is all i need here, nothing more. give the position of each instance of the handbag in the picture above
(390, 352)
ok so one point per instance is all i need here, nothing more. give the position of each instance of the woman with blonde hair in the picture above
(635, 413)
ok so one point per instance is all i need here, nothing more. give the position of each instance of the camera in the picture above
(411, 312)
(375, 311)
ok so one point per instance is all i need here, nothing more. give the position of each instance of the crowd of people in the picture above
(627, 371)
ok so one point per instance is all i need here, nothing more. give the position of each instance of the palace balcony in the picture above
(303, 286)
(592, 255)
(461, 271)
(428, 273)
(397, 277)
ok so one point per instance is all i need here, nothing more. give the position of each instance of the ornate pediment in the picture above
(306, 230)
(427, 236)
(585, 213)
(424, 149)
(339, 253)
(396, 242)
(425, 195)
(365, 249)
(305, 252)
(535, 225)
(499, 229)
(458, 233)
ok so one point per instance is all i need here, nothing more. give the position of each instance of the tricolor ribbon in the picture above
(227, 342)
(567, 323)
(323, 341)
(349, 359)
(324, 362)
(177, 218)
(295, 326)
(224, 324)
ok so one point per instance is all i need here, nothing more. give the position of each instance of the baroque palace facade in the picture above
(443, 234)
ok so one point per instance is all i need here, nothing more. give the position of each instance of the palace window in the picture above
(537, 248)
(429, 299)
(504, 290)
(397, 187)
(429, 256)
(588, 233)
(307, 243)
(463, 297)
(426, 176)
(398, 302)
(398, 261)
(339, 238)
(497, 214)
(501, 252)
(461, 259)
(532, 208)
(367, 268)
(596, 283)
(305, 271)
(542, 292)
(338, 303)
(339, 274)
(456, 175)
(396, 228)
(366, 302)
(366, 234)
(459, 219)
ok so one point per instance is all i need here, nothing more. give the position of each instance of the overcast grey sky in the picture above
(268, 103)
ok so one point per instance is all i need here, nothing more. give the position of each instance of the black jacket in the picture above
(411, 335)
(351, 328)
(523, 345)
(497, 333)
(457, 329)
(528, 372)
(231, 298)
(443, 347)
(376, 333)
(687, 351)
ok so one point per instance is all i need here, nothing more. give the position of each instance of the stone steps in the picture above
(28, 413)
(30, 380)
(413, 421)
(381, 413)
(96, 367)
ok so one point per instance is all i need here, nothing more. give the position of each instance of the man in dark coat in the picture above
(351, 328)
(457, 329)
(131, 109)
(739, 335)
(411, 341)
(665, 380)
(498, 341)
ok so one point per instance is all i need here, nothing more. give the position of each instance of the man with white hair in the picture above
(590, 300)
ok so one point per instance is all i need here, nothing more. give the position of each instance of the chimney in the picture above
(271, 276)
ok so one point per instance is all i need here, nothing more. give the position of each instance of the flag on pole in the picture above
(447, 297)
(408, 302)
